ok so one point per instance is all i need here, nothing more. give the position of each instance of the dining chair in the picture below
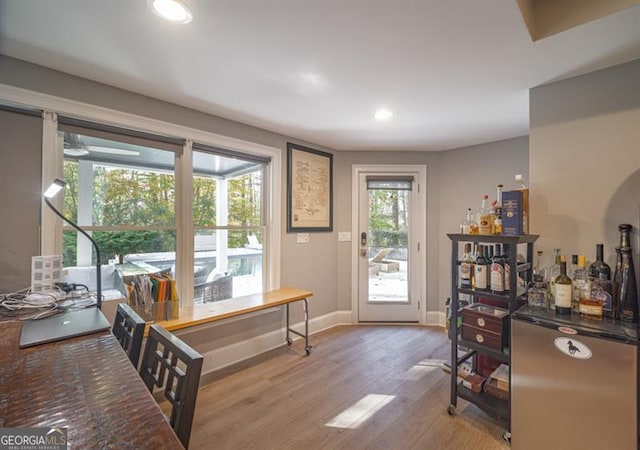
(128, 328)
(171, 364)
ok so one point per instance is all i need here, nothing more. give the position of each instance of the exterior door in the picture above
(388, 242)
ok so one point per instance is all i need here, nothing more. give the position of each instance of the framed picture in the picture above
(309, 189)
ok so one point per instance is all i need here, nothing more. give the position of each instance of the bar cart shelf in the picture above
(494, 406)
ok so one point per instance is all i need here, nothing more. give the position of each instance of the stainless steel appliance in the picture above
(573, 383)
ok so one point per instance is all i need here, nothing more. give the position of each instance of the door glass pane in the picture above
(388, 245)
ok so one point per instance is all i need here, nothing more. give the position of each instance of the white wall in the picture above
(584, 161)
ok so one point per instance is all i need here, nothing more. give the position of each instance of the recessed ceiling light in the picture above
(383, 114)
(176, 11)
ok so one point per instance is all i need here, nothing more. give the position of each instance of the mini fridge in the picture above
(573, 382)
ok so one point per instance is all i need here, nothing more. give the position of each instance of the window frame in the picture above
(52, 164)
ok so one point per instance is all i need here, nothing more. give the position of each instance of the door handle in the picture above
(363, 244)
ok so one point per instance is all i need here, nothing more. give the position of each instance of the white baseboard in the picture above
(436, 318)
(240, 351)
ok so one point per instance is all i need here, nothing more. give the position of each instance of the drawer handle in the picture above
(480, 338)
(480, 321)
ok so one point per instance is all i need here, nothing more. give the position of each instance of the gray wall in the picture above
(467, 174)
(455, 180)
(585, 160)
(20, 187)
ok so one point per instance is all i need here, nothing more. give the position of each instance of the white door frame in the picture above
(421, 169)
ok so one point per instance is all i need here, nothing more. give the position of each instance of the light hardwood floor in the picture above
(284, 400)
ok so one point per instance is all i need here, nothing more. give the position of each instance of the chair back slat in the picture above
(171, 364)
(128, 328)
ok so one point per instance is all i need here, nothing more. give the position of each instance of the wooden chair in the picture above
(128, 328)
(170, 363)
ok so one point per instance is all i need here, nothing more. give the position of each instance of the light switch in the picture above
(303, 238)
(344, 236)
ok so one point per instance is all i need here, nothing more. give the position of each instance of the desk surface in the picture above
(171, 317)
(86, 384)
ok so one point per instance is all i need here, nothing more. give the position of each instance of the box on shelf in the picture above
(512, 213)
(485, 325)
(491, 387)
(501, 377)
(474, 382)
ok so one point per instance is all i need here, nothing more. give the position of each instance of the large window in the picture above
(124, 194)
(228, 224)
(125, 188)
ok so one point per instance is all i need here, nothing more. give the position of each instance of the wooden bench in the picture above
(171, 317)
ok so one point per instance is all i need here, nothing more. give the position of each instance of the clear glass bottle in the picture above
(497, 219)
(563, 291)
(484, 217)
(554, 271)
(537, 293)
(581, 283)
(468, 224)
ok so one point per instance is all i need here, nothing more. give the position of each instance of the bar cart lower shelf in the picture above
(493, 406)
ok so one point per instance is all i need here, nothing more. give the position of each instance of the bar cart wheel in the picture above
(506, 436)
(308, 350)
(289, 341)
(451, 410)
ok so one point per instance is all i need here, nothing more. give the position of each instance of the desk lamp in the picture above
(51, 192)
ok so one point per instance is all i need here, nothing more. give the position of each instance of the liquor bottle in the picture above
(497, 272)
(469, 225)
(572, 268)
(484, 216)
(627, 291)
(581, 283)
(465, 267)
(599, 268)
(537, 293)
(563, 291)
(554, 271)
(481, 269)
(507, 267)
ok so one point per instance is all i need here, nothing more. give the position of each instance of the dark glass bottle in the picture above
(481, 269)
(507, 267)
(627, 289)
(497, 272)
(599, 268)
(563, 291)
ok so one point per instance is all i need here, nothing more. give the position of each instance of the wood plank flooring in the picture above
(284, 400)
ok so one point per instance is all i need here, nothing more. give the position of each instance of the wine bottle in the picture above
(563, 291)
(554, 271)
(628, 289)
(481, 269)
(507, 267)
(497, 272)
(599, 268)
(465, 267)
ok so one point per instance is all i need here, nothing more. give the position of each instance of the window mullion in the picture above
(184, 224)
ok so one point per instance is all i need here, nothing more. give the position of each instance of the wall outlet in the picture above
(344, 236)
(302, 238)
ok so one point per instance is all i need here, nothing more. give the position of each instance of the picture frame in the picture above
(309, 189)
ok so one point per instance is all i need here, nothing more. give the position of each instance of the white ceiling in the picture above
(455, 73)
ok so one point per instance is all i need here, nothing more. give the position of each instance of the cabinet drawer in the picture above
(484, 337)
(486, 317)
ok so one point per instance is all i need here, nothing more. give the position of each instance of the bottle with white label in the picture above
(465, 268)
(481, 269)
(497, 272)
(563, 291)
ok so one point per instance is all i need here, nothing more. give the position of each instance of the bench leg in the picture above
(307, 347)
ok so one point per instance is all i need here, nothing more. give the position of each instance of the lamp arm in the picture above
(95, 247)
